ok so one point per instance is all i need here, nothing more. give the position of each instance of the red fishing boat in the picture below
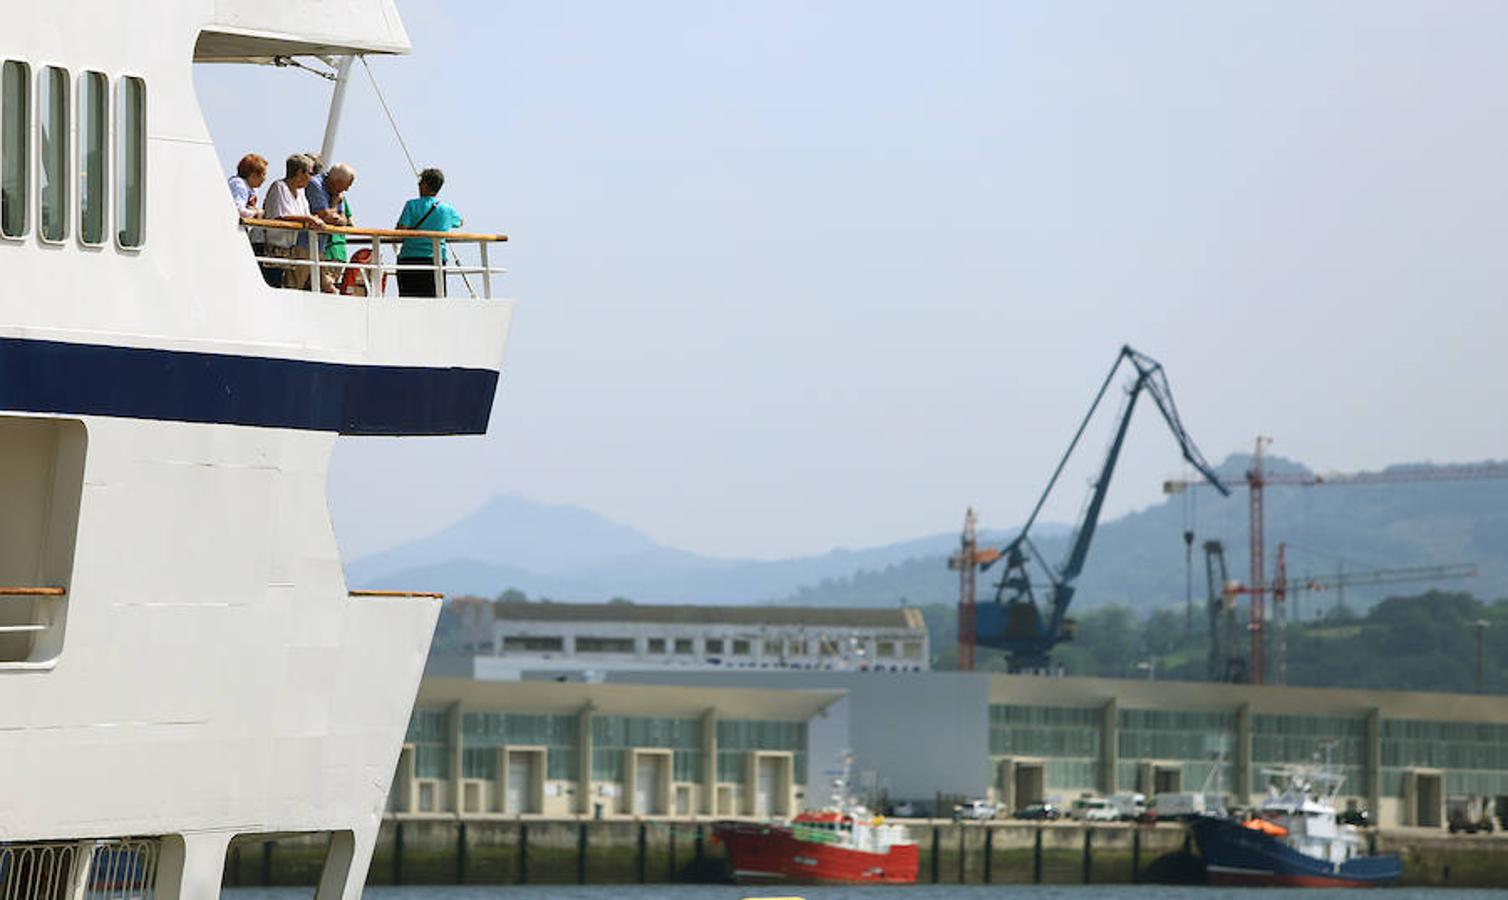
(832, 846)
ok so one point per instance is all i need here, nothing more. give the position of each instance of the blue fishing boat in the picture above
(1293, 839)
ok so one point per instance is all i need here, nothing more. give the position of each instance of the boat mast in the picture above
(337, 104)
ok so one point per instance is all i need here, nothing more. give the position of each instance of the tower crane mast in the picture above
(1257, 479)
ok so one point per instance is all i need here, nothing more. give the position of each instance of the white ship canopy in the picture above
(258, 31)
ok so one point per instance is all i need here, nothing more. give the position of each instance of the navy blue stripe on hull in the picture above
(170, 385)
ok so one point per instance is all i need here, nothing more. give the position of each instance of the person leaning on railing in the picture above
(251, 172)
(286, 202)
(424, 213)
(327, 201)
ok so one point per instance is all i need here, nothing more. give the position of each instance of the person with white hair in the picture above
(327, 202)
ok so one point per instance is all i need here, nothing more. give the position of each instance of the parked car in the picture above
(1092, 809)
(1039, 812)
(903, 810)
(1468, 814)
(975, 810)
(1357, 817)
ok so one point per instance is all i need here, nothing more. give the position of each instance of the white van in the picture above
(1129, 805)
(1187, 804)
(1093, 809)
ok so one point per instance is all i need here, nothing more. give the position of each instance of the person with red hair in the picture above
(251, 172)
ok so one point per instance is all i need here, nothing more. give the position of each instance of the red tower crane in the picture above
(1257, 479)
(1281, 587)
(968, 560)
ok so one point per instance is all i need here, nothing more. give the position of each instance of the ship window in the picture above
(15, 145)
(94, 109)
(52, 118)
(130, 160)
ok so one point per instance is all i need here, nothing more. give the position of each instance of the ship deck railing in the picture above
(374, 271)
(13, 592)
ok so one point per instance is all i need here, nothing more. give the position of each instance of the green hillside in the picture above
(1423, 642)
(1137, 561)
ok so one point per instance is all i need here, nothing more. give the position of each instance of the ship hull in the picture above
(1238, 856)
(770, 854)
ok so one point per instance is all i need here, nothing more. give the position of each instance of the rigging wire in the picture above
(288, 62)
(397, 133)
(381, 100)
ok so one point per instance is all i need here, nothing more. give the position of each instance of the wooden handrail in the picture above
(374, 232)
(432, 595)
(31, 592)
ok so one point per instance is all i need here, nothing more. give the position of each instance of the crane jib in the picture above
(1016, 625)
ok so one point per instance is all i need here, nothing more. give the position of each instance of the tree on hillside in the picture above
(1426, 642)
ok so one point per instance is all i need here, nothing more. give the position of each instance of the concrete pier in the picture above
(434, 850)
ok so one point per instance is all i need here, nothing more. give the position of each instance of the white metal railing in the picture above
(38, 619)
(373, 270)
(110, 869)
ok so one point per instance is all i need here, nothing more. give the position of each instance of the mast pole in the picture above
(337, 104)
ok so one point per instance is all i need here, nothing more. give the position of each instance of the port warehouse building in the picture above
(917, 735)
(1022, 739)
(750, 743)
(486, 747)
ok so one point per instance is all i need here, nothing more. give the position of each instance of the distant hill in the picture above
(569, 553)
(1137, 561)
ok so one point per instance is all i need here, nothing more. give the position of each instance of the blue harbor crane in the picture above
(1014, 622)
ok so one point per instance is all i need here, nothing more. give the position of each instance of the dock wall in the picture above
(447, 850)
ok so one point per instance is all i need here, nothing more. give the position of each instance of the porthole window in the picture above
(94, 112)
(15, 146)
(52, 120)
(130, 160)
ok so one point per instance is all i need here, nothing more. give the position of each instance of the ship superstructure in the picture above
(181, 663)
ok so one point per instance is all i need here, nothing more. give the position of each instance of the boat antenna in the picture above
(397, 133)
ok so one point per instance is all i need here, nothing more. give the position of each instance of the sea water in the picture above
(898, 892)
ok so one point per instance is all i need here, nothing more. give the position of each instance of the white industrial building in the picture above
(501, 640)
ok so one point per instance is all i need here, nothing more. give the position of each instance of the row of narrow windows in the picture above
(70, 138)
(686, 646)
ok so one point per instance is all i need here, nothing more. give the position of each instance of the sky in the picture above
(796, 276)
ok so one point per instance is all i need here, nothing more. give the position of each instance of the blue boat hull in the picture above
(1236, 855)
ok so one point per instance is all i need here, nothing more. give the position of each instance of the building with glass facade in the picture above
(1403, 754)
(563, 749)
(1021, 739)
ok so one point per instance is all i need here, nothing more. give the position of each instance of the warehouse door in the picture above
(1030, 784)
(649, 781)
(764, 795)
(1428, 799)
(520, 784)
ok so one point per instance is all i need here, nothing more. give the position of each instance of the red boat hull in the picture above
(763, 854)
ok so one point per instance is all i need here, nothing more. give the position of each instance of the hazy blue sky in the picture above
(799, 275)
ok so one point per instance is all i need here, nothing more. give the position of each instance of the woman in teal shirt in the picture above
(424, 213)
